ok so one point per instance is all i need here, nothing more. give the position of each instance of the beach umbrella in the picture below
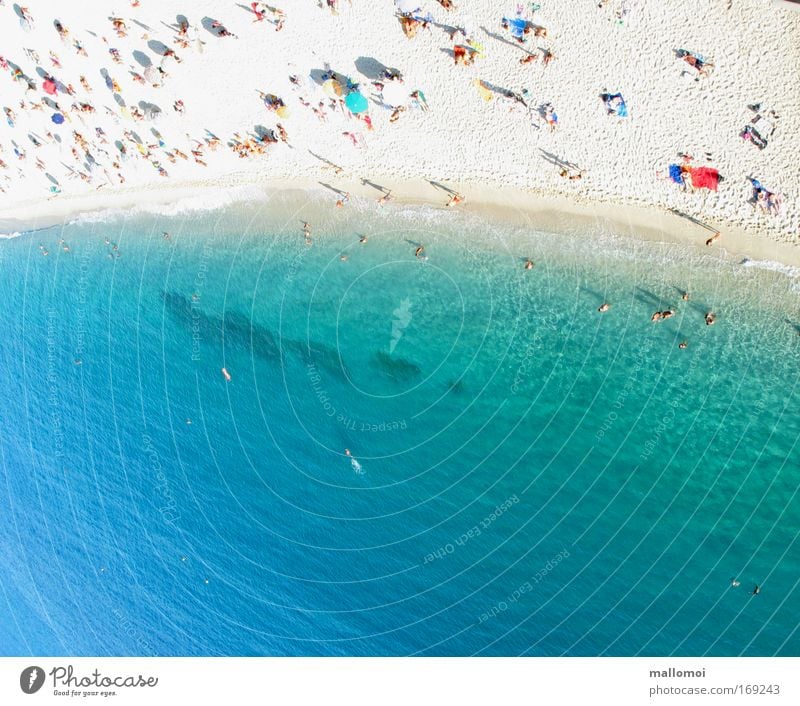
(57, 118)
(486, 94)
(169, 63)
(49, 86)
(282, 111)
(151, 74)
(468, 25)
(356, 103)
(394, 94)
(517, 27)
(332, 88)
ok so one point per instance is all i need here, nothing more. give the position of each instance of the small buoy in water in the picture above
(226, 374)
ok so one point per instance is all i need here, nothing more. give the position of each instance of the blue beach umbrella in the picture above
(517, 27)
(57, 118)
(356, 103)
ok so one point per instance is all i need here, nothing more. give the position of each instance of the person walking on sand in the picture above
(342, 200)
(455, 199)
(713, 238)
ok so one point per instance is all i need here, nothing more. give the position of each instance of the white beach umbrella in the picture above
(394, 93)
(151, 75)
(406, 7)
(469, 25)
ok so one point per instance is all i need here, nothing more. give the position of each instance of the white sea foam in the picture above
(8, 236)
(788, 270)
(211, 200)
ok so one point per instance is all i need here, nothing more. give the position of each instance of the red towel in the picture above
(704, 178)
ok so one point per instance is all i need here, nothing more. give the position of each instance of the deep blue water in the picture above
(536, 478)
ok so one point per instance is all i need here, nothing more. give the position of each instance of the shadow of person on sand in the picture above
(339, 192)
(446, 189)
(557, 161)
(336, 167)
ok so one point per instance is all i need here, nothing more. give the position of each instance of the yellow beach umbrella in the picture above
(332, 88)
(478, 47)
(283, 111)
(486, 94)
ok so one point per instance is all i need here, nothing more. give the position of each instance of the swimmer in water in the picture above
(419, 253)
(656, 316)
(226, 374)
(757, 590)
(605, 306)
(165, 235)
(77, 361)
(343, 258)
(188, 420)
(528, 264)
(711, 318)
(353, 462)
(682, 345)
(363, 239)
(685, 296)
(667, 314)
(735, 583)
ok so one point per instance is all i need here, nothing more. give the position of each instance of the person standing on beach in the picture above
(455, 199)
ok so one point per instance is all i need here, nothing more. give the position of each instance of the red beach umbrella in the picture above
(49, 86)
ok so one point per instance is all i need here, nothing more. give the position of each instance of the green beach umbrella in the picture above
(356, 103)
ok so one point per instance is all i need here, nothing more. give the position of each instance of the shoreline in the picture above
(553, 212)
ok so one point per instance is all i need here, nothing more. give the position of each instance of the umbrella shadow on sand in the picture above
(142, 59)
(373, 69)
(157, 47)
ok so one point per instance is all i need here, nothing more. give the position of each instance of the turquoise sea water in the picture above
(531, 476)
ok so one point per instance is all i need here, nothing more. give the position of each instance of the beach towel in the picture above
(705, 178)
(675, 173)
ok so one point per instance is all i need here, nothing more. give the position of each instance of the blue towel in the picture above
(675, 173)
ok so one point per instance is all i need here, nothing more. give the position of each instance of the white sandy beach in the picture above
(495, 151)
